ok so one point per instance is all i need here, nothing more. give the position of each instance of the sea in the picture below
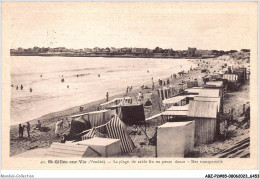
(86, 79)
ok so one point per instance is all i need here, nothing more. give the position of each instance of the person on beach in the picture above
(153, 86)
(107, 95)
(127, 89)
(21, 87)
(21, 129)
(98, 75)
(168, 81)
(148, 102)
(58, 127)
(38, 125)
(140, 96)
(12, 85)
(130, 89)
(41, 76)
(30, 89)
(28, 127)
(68, 86)
(164, 83)
(16, 87)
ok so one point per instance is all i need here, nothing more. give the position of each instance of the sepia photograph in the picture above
(129, 80)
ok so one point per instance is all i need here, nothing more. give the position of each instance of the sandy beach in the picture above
(237, 130)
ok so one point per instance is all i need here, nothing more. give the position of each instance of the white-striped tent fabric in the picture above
(117, 130)
(230, 77)
(98, 118)
(92, 133)
(166, 92)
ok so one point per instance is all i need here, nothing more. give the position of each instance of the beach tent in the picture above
(105, 146)
(232, 80)
(132, 114)
(175, 139)
(95, 118)
(93, 133)
(204, 113)
(116, 129)
(116, 101)
(166, 92)
(78, 125)
(70, 150)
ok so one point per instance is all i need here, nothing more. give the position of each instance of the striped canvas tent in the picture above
(116, 101)
(117, 130)
(230, 77)
(96, 118)
(92, 133)
(166, 92)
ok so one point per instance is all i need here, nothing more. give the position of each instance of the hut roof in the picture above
(203, 109)
(215, 83)
(193, 90)
(203, 98)
(209, 92)
(178, 108)
(175, 99)
(175, 113)
(175, 124)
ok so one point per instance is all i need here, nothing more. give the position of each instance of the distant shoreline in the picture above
(111, 56)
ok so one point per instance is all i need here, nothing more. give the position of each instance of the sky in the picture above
(210, 25)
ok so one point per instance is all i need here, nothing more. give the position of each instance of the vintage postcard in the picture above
(129, 85)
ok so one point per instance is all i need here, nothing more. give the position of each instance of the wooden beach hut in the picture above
(69, 150)
(191, 84)
(105, 146)
(204, 113)
(175, 139)
(220, 108)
